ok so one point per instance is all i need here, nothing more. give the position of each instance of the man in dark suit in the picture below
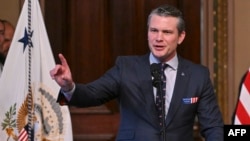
(188, 92)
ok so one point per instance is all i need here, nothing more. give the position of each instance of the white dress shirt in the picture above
(170, 73)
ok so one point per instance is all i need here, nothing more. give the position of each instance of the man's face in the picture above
(8, 35)
(163, 37)
(1, 33)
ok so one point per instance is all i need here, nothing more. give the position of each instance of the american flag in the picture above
(23, 136)
(242, 112)
(190, 100)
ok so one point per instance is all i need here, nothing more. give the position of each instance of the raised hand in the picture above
(62, 74)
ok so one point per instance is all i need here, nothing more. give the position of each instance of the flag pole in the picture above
(30, 97)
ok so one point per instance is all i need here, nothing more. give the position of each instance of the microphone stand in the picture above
(158, 83)
(163, 131)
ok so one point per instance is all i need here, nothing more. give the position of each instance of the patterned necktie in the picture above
(160, 95)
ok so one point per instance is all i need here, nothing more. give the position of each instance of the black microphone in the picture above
(156, 73)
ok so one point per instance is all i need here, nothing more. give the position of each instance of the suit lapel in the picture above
(146, 88)
(179, 90)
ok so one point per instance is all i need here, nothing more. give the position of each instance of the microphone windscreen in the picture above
(156, 73)
(155, 69)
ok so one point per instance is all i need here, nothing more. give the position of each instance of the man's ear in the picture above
(181, 37)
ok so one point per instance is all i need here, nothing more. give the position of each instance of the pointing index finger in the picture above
(63, 60)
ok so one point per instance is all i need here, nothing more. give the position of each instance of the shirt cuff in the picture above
(69, 94)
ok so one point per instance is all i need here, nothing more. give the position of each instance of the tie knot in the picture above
(164, 66)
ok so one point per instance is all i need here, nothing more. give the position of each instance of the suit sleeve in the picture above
(209, 115)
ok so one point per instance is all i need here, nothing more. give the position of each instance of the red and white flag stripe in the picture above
(242, 113)
(194, 99)
(23, 136)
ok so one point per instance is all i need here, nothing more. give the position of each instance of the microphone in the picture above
(156, 73)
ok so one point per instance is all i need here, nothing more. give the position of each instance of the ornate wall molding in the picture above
(217, 48)
(221, 53)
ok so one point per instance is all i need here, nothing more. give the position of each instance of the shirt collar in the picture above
(173, 63)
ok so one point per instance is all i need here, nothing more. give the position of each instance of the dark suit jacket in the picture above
(130, 82)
